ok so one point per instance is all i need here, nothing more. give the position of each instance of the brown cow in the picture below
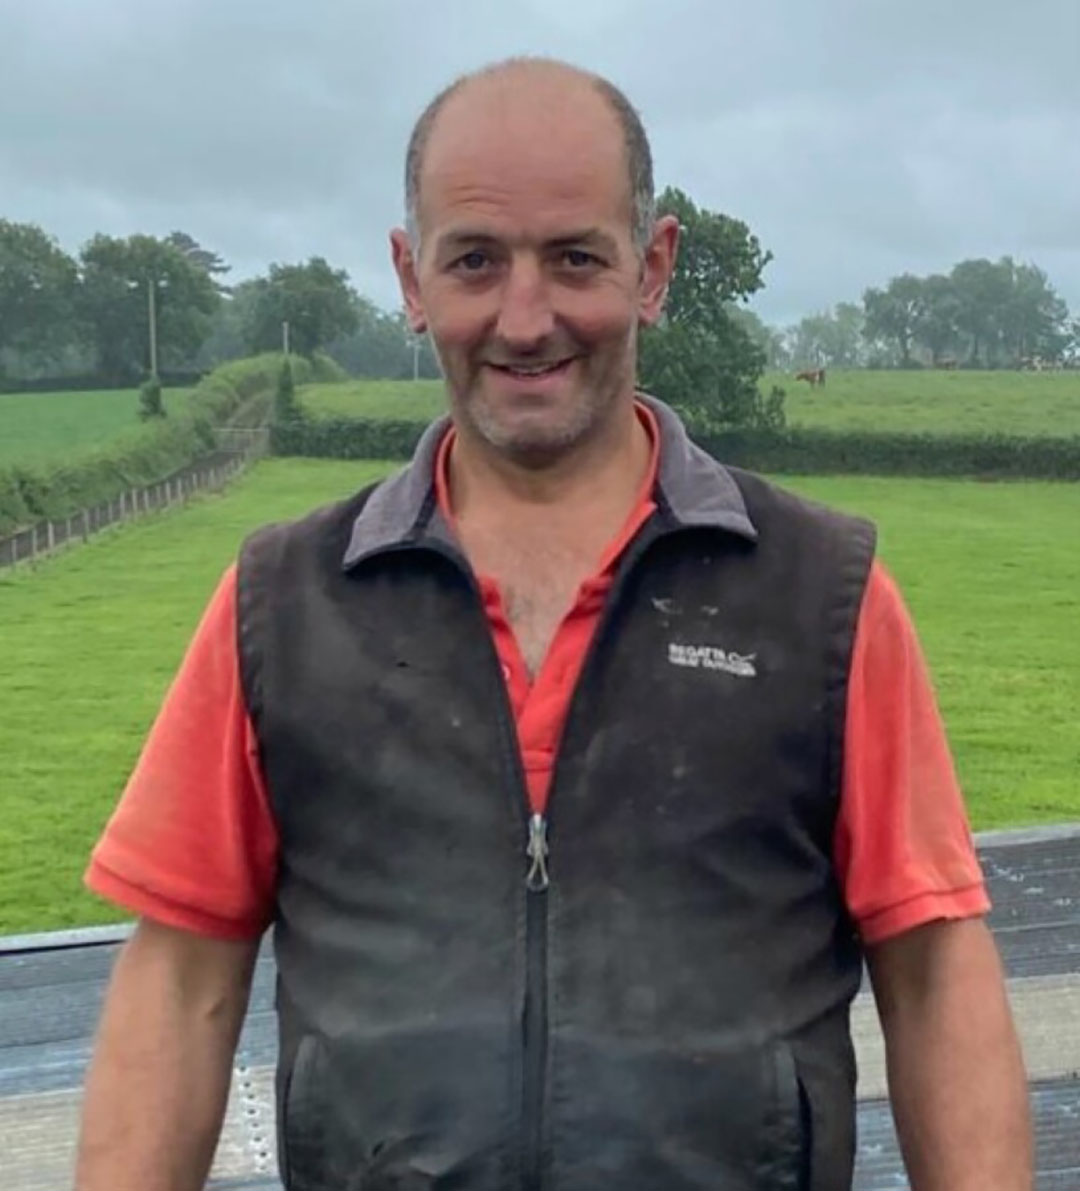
(813, 376)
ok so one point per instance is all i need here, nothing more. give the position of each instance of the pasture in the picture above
(1026, 404)
(92, 637)
(43, 427)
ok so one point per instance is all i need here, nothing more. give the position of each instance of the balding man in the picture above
(576, 772)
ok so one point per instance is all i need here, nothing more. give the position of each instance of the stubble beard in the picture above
(536, 443)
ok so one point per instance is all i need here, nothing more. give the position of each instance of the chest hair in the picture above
(539, 583)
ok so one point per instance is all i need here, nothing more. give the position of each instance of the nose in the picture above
(526, 318)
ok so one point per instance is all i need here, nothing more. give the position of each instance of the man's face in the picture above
(527, 277)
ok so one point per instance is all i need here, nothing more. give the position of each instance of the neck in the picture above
(603, 471)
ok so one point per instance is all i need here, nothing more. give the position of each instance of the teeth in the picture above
(534, 371)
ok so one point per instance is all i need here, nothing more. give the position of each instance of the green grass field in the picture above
(40, 427)
(1026, 404)
(1021, 403)
(92, 636)
(411, 400)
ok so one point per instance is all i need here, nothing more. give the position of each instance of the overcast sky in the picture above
(858, 138)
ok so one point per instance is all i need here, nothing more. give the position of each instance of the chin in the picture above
(538, 438)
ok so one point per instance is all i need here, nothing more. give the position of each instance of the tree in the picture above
(151, 404)
(990, 314)
(286, 407)
(117, 276)
(982, 292)
(227, 338)
(1072, 347)
(892, 314)
(846, 345)
(808, 341)
(935, 327)
(831, 339)
(38, 288)
(202, 258)
(1036, 319)
(383, 346)
(771, 340)
(315, 300)
(699, 357)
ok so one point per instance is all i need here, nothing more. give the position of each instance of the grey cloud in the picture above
(857, 138)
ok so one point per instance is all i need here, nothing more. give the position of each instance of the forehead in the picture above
(518, 155)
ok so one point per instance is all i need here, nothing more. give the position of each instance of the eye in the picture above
(471, 262)
(578, 258)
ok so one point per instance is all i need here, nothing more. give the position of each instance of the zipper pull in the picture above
(537, 852)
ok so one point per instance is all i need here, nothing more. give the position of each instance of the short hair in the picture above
(635, 143)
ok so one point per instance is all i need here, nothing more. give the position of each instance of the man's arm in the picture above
(956, 1074)
(159, 1080)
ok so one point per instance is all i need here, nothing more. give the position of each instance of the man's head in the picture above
(532, 253)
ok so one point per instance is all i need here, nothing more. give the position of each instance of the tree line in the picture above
(89, 315)
(982, 314)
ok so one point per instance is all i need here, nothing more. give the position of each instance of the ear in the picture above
(405, 264)
(657, 268)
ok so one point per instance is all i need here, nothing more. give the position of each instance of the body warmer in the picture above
(649, 988)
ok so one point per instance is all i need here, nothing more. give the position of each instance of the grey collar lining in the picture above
(696, 489)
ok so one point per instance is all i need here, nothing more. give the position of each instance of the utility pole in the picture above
(151, 286)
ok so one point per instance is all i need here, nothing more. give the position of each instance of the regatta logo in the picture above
(709, 657)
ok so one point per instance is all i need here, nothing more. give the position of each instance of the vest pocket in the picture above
(302, 1126)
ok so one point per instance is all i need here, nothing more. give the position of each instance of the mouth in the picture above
(534, 373)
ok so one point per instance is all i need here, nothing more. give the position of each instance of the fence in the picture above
(237, 448)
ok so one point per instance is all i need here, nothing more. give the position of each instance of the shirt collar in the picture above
(693, 488)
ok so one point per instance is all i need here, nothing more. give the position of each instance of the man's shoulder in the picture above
(768, 500)
(322, 530)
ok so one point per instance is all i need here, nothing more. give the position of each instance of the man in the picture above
(576, 772)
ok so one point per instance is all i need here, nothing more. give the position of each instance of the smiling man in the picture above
(576, 772)
(532, 262)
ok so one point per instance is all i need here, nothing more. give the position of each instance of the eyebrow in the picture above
(590, 237)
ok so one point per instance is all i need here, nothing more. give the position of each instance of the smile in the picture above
(531, 370)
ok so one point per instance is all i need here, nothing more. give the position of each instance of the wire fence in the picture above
(236, 450)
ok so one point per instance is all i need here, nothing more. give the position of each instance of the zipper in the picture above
(536, 850)
(534, 1014)
(535, 1024)
(537, 881)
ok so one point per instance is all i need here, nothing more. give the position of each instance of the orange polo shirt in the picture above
(193, 842)
(541, 704)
